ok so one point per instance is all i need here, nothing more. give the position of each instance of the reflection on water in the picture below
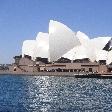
(54, 94)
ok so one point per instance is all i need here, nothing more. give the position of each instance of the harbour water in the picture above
(54, 94)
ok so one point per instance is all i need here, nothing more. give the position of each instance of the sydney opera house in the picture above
(66, 50)
(61, 41)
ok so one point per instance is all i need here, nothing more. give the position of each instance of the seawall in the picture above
(59, 74)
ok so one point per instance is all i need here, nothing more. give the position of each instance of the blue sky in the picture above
(23, 19)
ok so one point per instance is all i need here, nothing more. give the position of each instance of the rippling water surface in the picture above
(54, 94)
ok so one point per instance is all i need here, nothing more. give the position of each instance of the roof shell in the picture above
(61, 40)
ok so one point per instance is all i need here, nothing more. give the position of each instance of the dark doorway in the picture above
(90, 70)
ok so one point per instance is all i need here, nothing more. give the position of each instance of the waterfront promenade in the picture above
(60, 74)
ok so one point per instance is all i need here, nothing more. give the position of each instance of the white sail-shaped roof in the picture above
(101, 55)
(61, 40)
(100, 42)
(28, 47)
(109, 55)
(87, 44)
(38, 47)
(78, 52)
(83, 38)
(97, 45)
(104, 55)
(42, 45)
